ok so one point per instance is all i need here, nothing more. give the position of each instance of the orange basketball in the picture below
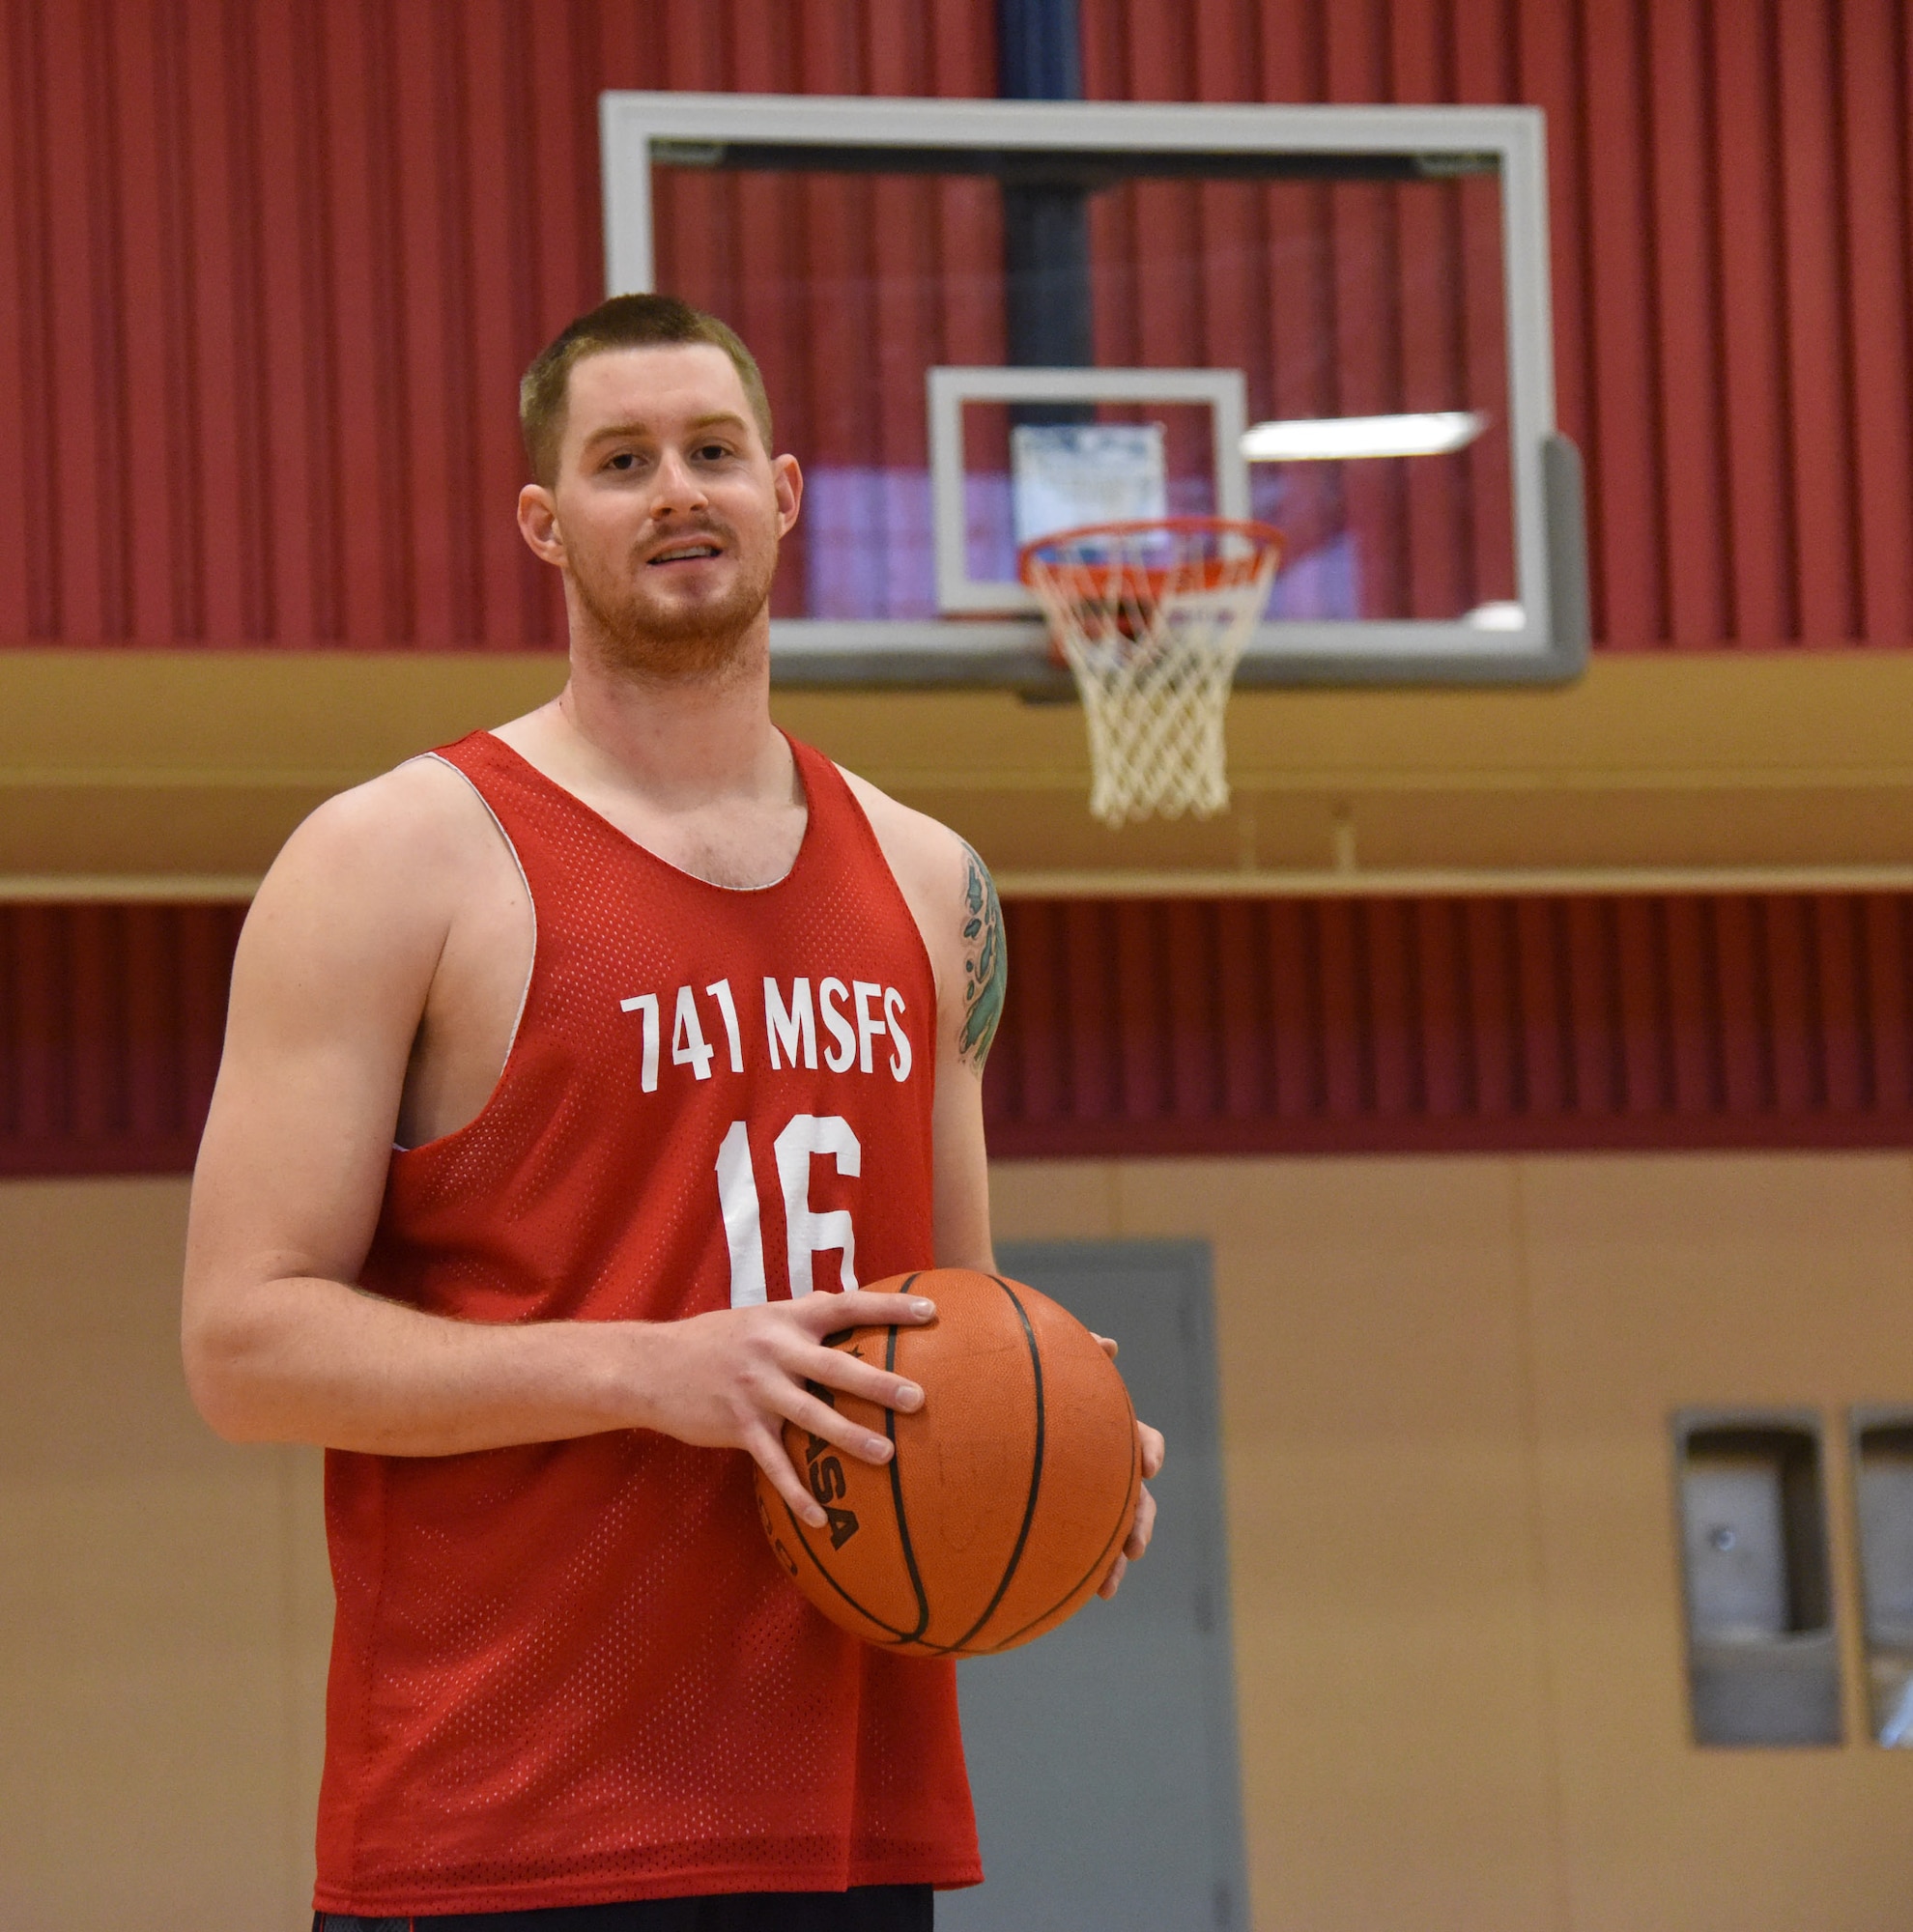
(1011, 1491)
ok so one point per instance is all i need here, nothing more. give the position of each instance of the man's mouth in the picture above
(694, 549)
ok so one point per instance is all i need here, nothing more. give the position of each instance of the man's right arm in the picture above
(329, 984)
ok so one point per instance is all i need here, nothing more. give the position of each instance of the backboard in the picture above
(977, 317)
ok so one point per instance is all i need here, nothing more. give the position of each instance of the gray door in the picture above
(1103, 1756)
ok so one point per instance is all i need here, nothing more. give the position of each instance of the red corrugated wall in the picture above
(1731, 268)
(1149, 1027)
(1445, 1025)
(269, 270)
(110, 1024)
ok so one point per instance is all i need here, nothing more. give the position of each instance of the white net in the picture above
(1153, 618)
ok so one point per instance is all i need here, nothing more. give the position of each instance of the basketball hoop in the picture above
(1151, 619)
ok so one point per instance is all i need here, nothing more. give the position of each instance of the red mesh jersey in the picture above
(572, 1672)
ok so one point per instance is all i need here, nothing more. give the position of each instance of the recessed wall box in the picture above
(1883, 1498)
(1764, 1667)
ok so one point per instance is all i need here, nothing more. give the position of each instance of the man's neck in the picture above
(671, 744)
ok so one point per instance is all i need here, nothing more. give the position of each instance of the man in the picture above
(523, 1165)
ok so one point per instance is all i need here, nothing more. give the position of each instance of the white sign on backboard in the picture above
(1064, 475)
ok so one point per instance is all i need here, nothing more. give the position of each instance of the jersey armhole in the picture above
(531, 967)
(869, 832)
(882, 858)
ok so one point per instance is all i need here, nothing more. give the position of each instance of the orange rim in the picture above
(1209, 572)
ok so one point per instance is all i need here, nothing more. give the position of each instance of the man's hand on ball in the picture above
(1150, 1442)
(733, 1378)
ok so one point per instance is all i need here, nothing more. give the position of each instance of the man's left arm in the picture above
(971, 964)
(967, 955)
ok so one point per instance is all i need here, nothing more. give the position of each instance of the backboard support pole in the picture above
(1047, 324)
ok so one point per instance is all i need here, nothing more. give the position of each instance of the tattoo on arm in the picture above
(983, 968)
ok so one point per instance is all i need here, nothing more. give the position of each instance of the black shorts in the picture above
(863, 1908)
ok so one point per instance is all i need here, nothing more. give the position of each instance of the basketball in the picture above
(1011, 1490)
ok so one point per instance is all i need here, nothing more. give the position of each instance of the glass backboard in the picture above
(975, 316)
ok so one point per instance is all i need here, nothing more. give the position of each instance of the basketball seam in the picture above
(870, 1616)
(1036, 1474)
(1130, 1493)
(913, 1639)
(896, 1497)
(892, 1634)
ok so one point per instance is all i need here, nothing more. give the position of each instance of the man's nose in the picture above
(678, 485)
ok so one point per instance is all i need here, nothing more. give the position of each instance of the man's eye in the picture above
(714, 452)
(624, 460)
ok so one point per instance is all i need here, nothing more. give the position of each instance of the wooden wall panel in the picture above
(1453, 1546)
(1455, 1594)
(272, 269)
(165, 1605)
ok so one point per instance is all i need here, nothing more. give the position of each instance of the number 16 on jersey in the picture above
(808, 1232)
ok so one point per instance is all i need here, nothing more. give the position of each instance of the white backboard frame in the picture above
(1550, 644)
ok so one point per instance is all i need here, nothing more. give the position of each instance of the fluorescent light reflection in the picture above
(1338, 439)
(1496, 617)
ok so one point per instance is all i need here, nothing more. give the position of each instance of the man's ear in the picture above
(538, 524)
(788, 481)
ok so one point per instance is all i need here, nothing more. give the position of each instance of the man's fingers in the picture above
(1140, 1532)
(820, 1419)
(1150, 1441)
(766, 1448)
(1143, 1528)
(840, 1369)
(859, 1308)
(1108, 1347)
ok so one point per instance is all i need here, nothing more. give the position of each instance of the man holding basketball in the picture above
(562, 1066)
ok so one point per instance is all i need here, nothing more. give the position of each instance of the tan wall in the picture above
(164, 1607)
(1445, 1391)
(1446, 1388)
(179, 774)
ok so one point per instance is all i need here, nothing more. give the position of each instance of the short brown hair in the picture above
(625, 322)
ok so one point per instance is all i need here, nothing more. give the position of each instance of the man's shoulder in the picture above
(951, 894)
(946, 886)
(348, 927)
(402, 836)
(924, 854)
